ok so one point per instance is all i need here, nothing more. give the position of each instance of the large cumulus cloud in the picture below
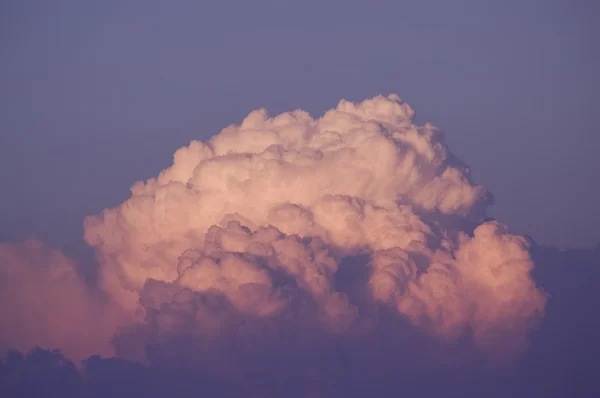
(285, 256)
(266, 214)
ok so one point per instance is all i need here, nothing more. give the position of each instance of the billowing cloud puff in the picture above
(270, 210)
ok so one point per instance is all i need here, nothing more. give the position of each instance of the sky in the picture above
(298, 199)
(99, 95)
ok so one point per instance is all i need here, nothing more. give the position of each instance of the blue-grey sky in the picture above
(96, 95)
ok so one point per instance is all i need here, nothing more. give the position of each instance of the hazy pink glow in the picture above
(362, 179)
(43, 302)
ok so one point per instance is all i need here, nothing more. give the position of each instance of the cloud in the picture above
(300, 229)
(355, 177)
(43, 302)
(291, 196)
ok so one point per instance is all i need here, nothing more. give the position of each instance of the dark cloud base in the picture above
(293, 359)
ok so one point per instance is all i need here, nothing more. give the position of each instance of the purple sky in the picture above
(97, 95)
